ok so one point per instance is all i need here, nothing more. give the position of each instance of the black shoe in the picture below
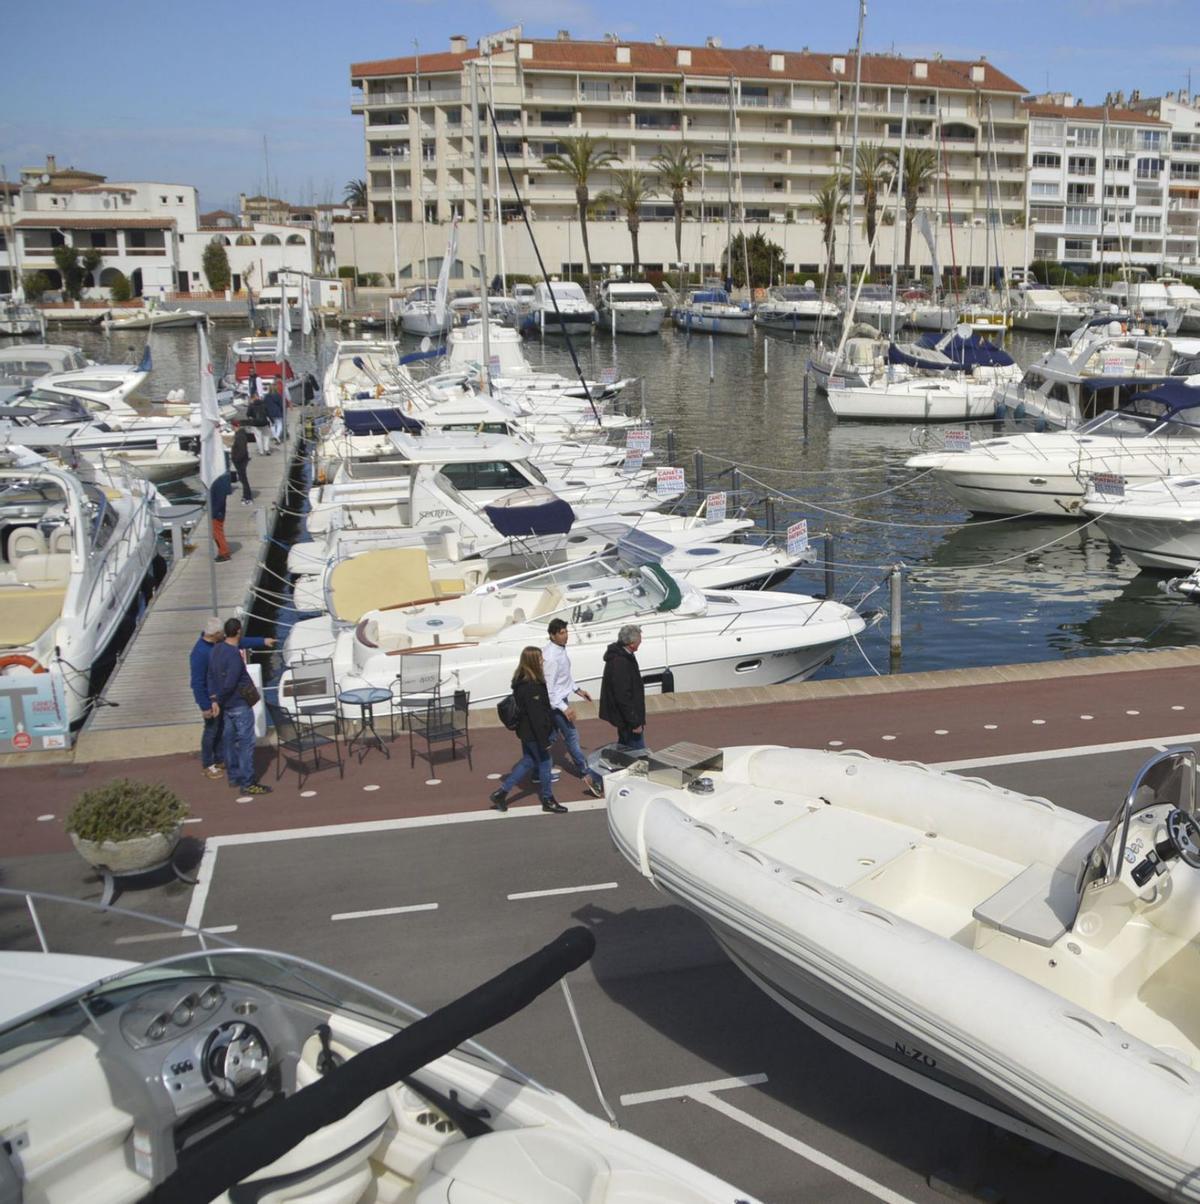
(222, 559)
(499, 800)
(554, 807)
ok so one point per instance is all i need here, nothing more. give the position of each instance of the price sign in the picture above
(493, 365)
(714, 508)
(633, 462)
(638, 439)
(797, 538)
(1108, 484)
(1112, 365)
(670, 482)
(957, 441)
(608, 376)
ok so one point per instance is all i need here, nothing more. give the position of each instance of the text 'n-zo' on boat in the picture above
(1020, 961)
(240, 1074)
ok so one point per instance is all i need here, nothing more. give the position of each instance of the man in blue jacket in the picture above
(214, 722)
(224, 681)
(274, 404)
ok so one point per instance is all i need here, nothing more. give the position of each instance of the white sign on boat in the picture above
(638, 439)
(797, 537)
(633, 461)
(957, 441)
(714, 508)
(1108, 484)
(670, 482)
(608, 376)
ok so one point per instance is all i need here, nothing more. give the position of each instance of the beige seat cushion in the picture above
(26, 613)
(52, 568)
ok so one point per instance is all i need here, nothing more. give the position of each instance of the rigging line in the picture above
(991, 564)
(863, 654)
(1165, 620)
(537, 251)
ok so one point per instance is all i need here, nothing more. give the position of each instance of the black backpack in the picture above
(509, 711)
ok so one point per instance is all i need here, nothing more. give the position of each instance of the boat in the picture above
(1133, 290)
(76, 315)
(627, 307)
(23, 363)
(1186, 299)
(691, 639)
(154, 319)
(1026, 964)
(793, 307)
(863, 359)
(561, 306)
(18, 320)
(1040, 307)
(358, 367)
(255, 357)
(418, 314)
(1151, 436)
(873, 307)
(711, 310)
(1156, 524)
(237, 1073)
(75, 555)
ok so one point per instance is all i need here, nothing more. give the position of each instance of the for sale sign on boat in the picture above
(608, 376)
(670, 482)
(714, 508)
(797, 538)
(1108, 484)
(633, 462)
(957, 441)
(637, 439)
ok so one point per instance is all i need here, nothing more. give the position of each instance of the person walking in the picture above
(560, 685)
(622, 694)
(233, 695)
(218, 496)
(259, 423)
(239, 457)
(535, 727)
(211, 742)
(274, 403)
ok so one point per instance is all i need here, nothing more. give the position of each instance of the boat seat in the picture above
(1038, 905)
(60, 540)
(53, 568)
(26, 541)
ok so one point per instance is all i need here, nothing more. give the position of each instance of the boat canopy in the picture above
(533, 511)
(672, 594)
(1165, 399)
(716, 296)
(961, 354)
(379, 422)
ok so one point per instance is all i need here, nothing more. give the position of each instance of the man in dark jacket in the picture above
(218, 495)
(227, 680)
(211, 743)
(259, 423)
(274, 403)
(239, 457)
(622, 694)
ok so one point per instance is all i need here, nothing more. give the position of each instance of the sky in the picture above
(221, 93)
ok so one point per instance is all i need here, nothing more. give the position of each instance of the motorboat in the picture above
(76, 315)
(795, 307)
(561, 306)
(630, 307)
(18, 320)
(873, 306)
(418, 314)
(1156, 524)
(255, 359)
(1154, 435)
(1029, 965)
(1040, 307)
(155, 319)
(1134, 291)
(362, 368)
(691, 639)
(516, 306)
(23, 363)
(1186, 299)
(104, 388)
(711, 310)
(75, 555)
(235, 1073)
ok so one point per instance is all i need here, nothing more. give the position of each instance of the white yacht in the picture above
(233, 1073)
(1024, 963)
(1156, 524)
(18, 319)
(358, 367)
(629, 307)
(795, 307)
(562, 306)
(1039, 307)
(873, 307)
(418, 314)
(1154, 435)
(154, 319)
(1186, 299)
(23, 363)
(710, 310)
(1133, 290)
(75, 555)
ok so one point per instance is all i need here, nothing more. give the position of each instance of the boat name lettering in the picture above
(433, 514)
(913, 1054)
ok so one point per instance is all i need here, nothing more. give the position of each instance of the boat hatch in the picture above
(679, 764)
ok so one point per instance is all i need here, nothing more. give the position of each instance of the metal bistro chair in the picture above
(314, 692)
(417, 684)
(296, 735)
(441, 723)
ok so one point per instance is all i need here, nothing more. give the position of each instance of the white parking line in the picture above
(562, 890)
(653, 1097)
(1056, 754)
(383, 911)
(142, 938)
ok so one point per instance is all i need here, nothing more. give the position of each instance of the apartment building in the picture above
(768, 126)
(1180, 112)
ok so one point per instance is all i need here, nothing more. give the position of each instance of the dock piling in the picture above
(896, 595)
(769, 515)
(766, 356)
(671, 449)
(829, 575)
(712, 362)
(805, 407)
(698, 469)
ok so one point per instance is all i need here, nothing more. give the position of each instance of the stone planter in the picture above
(129, 856)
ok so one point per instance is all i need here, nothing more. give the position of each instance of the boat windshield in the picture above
(793, 292)
(1136, 422)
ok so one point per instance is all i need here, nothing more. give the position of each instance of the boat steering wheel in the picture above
(1183, 832)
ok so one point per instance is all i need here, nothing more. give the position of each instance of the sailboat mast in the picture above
(480, 233)
(729, 191)
(497, 221)
(899, 204)
(862, 16)
(421, 170)
(1103, 202)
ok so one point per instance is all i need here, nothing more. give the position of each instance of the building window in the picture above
(1149, 169)
(1116, 164)
(1078, 193)
(179, 200)
(1081, 165)
(1147, 223)
(1046, 214)
(1149, 139)
(1049, 189)
(295, 240)
(1119, 192)
(162, 200)
(1078, 247)
(1046, 159)
(1083, 135)
(1080, 217)
(268, 240)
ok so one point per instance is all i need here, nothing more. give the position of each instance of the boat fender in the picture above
(26, 662)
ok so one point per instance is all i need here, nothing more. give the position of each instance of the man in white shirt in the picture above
(560, 685)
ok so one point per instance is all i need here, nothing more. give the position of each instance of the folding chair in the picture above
(417, 683)
(441, 723)
(297, 735)
(314, 692)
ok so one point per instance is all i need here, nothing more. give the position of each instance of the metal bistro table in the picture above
(365, 699)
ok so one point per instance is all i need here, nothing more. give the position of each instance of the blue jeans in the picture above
(570, 734)
(532, 757)
(239, 744)
(631, 739)
(213, 740)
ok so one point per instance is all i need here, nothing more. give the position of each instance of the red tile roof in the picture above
(1091, 113)
(431, 64)
(67, 221)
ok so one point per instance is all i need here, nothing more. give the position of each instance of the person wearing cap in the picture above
(212, 740)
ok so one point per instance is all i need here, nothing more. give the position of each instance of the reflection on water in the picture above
(976, 593)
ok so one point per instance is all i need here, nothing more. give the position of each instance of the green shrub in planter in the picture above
(124, 810)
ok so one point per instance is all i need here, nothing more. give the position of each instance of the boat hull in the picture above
(1154, 543)
(695, 323)
(904, 403)
(628, 321)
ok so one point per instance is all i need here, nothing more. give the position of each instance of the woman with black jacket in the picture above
(535, 727)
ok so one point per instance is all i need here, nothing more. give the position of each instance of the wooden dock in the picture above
(148, 695)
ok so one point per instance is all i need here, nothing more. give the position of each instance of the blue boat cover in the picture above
(379, 422)
(1174, 395)
(972, 352)
(532, 512)
(718, 295)
(433, 353)
(1125, 319)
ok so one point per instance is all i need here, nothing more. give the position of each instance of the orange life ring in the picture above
(26, 662)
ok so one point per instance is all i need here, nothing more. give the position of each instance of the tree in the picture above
(582, 158)
(920, 170)
(873, 165)
(766, 259)
(119, 288)
(355, 194)
(829, 208)
(677, 170)
(633, 190)
(76, 270)
(215, 262)
(35, 285)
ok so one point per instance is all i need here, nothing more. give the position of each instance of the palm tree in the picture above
(677, 170)
(355, 194)
(874, 171)
(583, 156)
(633, 190)
(920, 170)
(829, 208)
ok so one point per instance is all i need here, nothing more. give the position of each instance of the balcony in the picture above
(375, 100)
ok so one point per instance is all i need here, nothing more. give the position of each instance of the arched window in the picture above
(220, 240)
(270, 240)
(245, 240)
(295, 240)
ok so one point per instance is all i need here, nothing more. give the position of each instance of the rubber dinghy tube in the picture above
(260, 1139)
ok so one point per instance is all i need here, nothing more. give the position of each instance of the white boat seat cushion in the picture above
(1037, 905)
(52, 568)
(26, 541)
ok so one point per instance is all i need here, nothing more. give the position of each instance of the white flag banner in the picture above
(212, 450)
(306, 322)
(443, 284)
(283, 335)
(926, 232)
